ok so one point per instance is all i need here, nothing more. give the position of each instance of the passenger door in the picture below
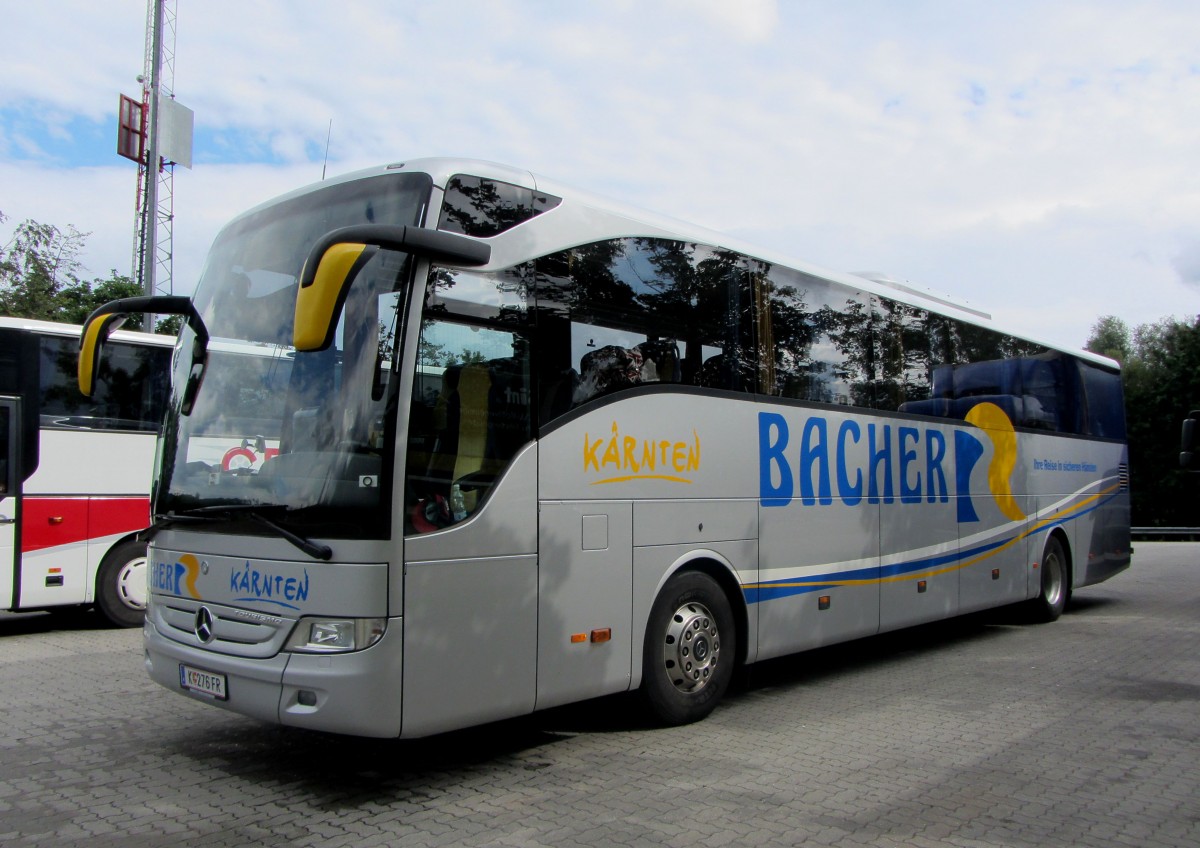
(10, 478)
(470, 550)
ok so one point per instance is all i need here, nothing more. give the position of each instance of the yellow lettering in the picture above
(648, 458)
(589, 453)
(630, 460)
(612, 453)
(679, 456)
(621, 452)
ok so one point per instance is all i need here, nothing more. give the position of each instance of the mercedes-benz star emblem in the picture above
(204, 625)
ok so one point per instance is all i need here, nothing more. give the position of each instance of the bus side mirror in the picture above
(107, 318)
(337, 258)
(1188, 459)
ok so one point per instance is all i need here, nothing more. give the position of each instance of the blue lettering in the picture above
(851, 493)
(813, 452)
(908, 456)
(770, 458)
(253, 584)
(935, 452)
(180, 570)
(829, 472)
(880, 456)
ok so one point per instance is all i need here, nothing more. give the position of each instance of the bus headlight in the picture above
(335, 635)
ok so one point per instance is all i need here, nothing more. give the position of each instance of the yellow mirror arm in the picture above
(319, 301)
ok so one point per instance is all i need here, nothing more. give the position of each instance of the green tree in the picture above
(40, 276)
(1161, 376)
(1110, 337)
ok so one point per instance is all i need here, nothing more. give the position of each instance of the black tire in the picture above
(121, 584)
(1055, 574)
(690, 648)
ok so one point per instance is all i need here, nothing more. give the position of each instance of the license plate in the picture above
(205, 682)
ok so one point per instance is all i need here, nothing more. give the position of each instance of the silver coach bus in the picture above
(520, 446)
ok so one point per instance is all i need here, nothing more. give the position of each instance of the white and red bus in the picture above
(77, 470)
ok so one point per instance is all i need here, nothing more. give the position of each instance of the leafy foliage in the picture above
(1161, 375)
(40, 276)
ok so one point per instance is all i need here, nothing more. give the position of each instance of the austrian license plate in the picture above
(205, 682)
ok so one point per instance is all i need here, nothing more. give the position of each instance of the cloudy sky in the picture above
(1039, 159)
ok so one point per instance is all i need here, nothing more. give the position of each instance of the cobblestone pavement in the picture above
(977, 732)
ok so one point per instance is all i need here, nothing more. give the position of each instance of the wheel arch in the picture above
(721, 570)
(1064, 539)
(129, 537)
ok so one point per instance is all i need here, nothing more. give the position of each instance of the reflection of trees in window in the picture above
(807, 340)
(483, 208)
(500, 296)
(665, 311)
(906, 337)
(978, 344)
(698, 294)
(848, 329)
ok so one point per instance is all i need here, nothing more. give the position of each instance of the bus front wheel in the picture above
(691, 643)
(121, 584)
(1055, 575)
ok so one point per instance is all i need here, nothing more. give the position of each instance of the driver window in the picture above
(470, 414)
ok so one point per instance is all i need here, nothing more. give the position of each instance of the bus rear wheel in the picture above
(121, 584)
(1055, 583)
(688, 656)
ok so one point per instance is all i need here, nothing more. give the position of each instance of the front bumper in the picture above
(356, 693)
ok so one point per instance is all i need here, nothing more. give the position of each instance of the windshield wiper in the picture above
(227, 512)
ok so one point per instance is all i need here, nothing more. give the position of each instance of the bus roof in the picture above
(584, 217)
(55, 328)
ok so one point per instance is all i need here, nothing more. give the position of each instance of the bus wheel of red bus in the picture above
(1056, 583)
(121, 584)
(691, 643)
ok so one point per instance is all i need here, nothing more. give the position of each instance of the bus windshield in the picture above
(305, 435)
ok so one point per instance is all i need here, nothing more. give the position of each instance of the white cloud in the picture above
(1036, 159)
(749, 20)
(1187, 263)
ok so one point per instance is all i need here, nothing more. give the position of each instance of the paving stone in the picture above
(978, 732)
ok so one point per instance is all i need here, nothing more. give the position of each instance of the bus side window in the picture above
(618, 314)
(470, 414)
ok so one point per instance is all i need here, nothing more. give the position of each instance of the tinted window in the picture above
(8, 432)
(629, 312)
(472, 405)
(131, 386)
(482, 208)
(910, 344)
(1104, 401)
(814, 339)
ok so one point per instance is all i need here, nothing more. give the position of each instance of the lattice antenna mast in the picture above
(155, 210)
